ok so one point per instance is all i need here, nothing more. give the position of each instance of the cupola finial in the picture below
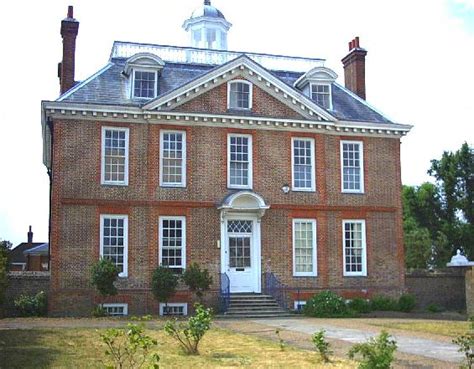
(207, 2)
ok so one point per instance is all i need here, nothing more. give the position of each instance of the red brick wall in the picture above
(78, 199)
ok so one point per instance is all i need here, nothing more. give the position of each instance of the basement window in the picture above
(116, 309)
(174, 309)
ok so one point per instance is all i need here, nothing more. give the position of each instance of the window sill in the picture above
(172, 186)
(353, 192)
(303, 190)
(114, 184)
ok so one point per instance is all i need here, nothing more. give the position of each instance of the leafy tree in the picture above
(104, 274)
(163, 284)
(198, 280)
(5, 246)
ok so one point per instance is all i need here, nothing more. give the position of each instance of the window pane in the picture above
(239, 95)
(351, 166)
(239, 162)
(115, 155)
(304, 246)
(172, 243)
(144, 84)
(354, 247)
(113, 241)
(321, 94)
(302, 164)
(172, 158)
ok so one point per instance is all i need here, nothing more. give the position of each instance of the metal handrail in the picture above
(276, 289)
(224, 292)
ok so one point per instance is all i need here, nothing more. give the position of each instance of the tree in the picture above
(163, 284)
(104, 274)
(5, 247)
(198, 280)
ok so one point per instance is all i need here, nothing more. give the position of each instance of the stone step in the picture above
(241, 302)
(254, 308)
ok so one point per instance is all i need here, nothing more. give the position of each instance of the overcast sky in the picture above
(419, 70)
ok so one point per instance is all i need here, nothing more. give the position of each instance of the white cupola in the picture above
(207, 27)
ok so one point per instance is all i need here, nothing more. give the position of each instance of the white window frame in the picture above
(330, 93)
(112, 305)
(125, 239)
(362, 273)
(250, 155)
(183, 167)
(172, 304)
(297, 303)
(314, 273)
(361, 160)
(313, 166)
(102, 165)
(250, 94)
(160, 240)
(132, 92)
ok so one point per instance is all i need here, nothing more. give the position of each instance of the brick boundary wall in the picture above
(24, 283)
(443, 287)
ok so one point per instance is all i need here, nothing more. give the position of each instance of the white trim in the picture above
(250, 156)
(363, 273)
(314, 273)
(112, 305)
(312, 84)
(184, 305)
(160, 240)
(243, 81)
(83, 83)
(361, 160)
(296, 303)
(132, 85)
(183, 166)
(125, 239)
(102, 160)
(313, 165)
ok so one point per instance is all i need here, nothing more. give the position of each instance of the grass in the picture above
(443, 328)
(82, 348)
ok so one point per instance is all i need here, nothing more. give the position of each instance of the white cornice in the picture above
(61, 110)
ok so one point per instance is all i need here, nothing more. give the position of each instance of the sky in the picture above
(419, 70)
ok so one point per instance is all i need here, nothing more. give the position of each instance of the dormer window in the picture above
(143, 71)
(321, 94)
(239, 95)
(144, 84)
(317, 85)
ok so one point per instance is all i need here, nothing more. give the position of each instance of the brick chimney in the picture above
(354, 68)
(69, 30)
(30, 236)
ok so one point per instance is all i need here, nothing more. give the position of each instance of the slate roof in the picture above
(110, 87)
(16, 255)
(42, 249)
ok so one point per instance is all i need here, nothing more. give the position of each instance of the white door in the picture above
(242, 254)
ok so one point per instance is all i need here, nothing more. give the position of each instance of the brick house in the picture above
(250, 164)
(29, 256)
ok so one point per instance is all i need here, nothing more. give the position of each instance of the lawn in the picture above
(443, 328)
(82, 348)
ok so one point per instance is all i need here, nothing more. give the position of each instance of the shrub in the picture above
(130, 347)
(383, 303)
(434, 308)
(359, 305)
(281, 342)
(103, 275)
(326, 304)
(36, 305)
(198, 280)
(189, 334)
(163, 283)
(3, 275)
(376, 353)
(406, 302)
(99, 312)
(321, 345)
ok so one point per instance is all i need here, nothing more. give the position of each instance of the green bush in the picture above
(326, 304)
(198, 280)
(406, 302)
(130, 347)
(99, 312)
(359, 305)
(189, 334)
(466, 345)
(376, 353)
(435, 308)
(36, 305)
(103, 275)
(321, 345)
(163, 283)
(383, 303)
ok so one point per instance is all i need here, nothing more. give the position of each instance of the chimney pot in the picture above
(30, 235)
(357, 41)
(70, 11)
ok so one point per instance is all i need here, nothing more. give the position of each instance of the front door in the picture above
(242, 254)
